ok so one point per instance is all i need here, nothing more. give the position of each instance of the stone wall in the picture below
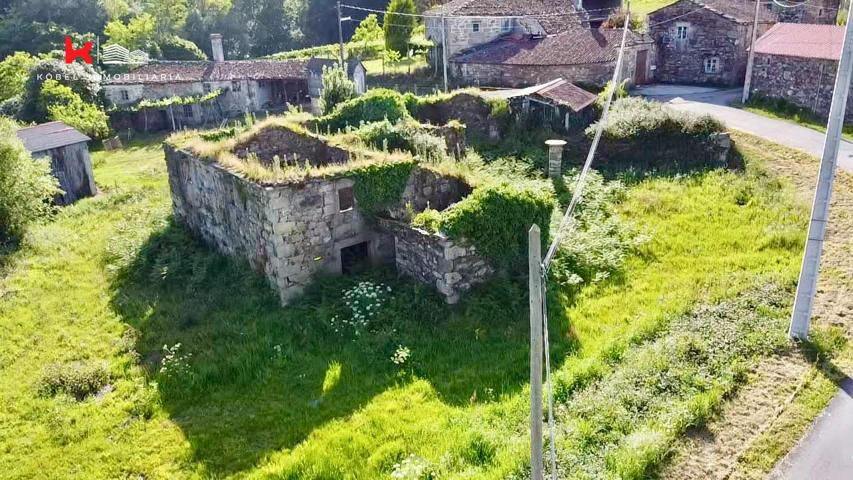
(806, 82)
(471, 110)
(661, 154)
(815, 11)
(428, 189)
(291, 147)
(460, 34)
(709, 35)
(433, 259)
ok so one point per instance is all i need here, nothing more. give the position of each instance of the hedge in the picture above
(375, 105)
(636, 118)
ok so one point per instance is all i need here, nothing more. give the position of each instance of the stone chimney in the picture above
(216, 47)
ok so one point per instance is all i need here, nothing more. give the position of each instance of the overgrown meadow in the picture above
(129, 350)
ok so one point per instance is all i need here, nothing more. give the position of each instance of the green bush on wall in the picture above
(378, 186)
(375, 105)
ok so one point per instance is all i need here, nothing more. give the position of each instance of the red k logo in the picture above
(71, 53)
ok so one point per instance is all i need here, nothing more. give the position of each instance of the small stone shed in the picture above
(69, 158)
(292, 230)
(561, 105)
(705, 41)
(798, 63)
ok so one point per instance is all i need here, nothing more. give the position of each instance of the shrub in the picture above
(405, 135)
(373, 106)
(621, 92)
(636, 118)
(398, 28)
(337, 88)
(76, 379)
(11, 107)
(14, 71)
(380, 185)
(495, 219)
(429, 220)
(79, 77)
(177, 48)
(26, 185)
(64, 105)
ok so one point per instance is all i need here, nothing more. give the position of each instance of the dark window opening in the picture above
(346, 199)
(475, 26)
(355, 258)
(188, 111)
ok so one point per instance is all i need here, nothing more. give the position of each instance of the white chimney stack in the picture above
(216, 47)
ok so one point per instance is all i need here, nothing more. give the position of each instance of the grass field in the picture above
(254, 390)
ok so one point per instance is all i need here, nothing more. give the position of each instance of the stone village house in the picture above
(69, 158)
(515, 43)
(798, 63)
(705, 41)
(260, 85)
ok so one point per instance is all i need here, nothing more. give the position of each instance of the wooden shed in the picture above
(561, 105)
(69, 158)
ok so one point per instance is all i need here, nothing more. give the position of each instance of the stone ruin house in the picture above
(68, 151)
(558, 104)
(798, 63)
(705, 41)
(258, 85)
(517, 43)
(294, 229)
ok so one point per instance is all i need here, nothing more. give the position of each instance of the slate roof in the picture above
(738, 11)
(180, 72)
(554, 15)
(573, 47)
(50, 135)
(802, 40)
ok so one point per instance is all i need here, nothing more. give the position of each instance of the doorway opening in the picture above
(355, 258)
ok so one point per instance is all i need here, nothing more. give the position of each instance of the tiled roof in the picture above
(738, 11)
(568, 94)
(177, 72)
(802, 40)
(49, 135)
(554, 15)
(574, 47)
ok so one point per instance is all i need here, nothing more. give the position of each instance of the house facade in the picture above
(798, 63)
(814, 11)
(705, 41)
(68, 151)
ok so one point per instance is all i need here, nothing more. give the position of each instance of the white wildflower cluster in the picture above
(401, 355)
(413, 467)
(174, 363)
(364, 302)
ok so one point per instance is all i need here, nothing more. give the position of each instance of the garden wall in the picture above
(658, 154)
(436, 260)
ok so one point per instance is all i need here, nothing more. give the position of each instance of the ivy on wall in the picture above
(380, 185)
(172, 101)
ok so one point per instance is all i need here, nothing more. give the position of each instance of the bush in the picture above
(79, 77)
(373, 106)
(337, 88)
(429, 220)
(398, 28)
(636, 119)
(380, 185)
(11, 107)
(77, 379)
(26, 185)
(495, 219)
(177, 48)
(621, 92)
(405, 135)
(66, 106)
(14, 71)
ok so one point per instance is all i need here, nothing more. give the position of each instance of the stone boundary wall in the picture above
(428, 189)
(289, 232)
(660, 154)
(435, 260)
(292, 148)
(471, 110)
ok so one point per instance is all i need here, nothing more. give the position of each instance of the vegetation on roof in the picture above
(171, 101)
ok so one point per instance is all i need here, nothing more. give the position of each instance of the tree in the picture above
(368, 30)
(79, 77)
(26, 185)
(337, 89)
(399, 24)
(137, 34)
(64, 105)
(14, 71)
(169, 16)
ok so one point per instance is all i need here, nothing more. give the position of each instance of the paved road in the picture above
(826, 452)
(716, 101)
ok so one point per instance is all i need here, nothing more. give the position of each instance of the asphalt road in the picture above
(715, 102)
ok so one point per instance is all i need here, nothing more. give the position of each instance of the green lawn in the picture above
(272, 392)
(643, 7)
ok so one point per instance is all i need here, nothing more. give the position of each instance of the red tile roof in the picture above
(568, 94)
(802, 40)
(574, 47)
(178, 72)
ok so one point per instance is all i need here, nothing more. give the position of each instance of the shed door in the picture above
(642, 67)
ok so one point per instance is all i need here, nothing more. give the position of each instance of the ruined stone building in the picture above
(518, 43)
(798, 63)
(68, 151)
(705, 41)
(261, 85)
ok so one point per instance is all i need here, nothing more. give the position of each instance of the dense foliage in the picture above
(65, 105)
(337, 88)
(26, 185)
(636, 118)
(399, 24)
(79, 77)
(14, 71)
(380, 185)
(406, 135)
(375, 105)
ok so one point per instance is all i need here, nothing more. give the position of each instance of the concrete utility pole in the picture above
(807, 285)
(751, 59)
(340, 33)
(444, 49)
(534, 261)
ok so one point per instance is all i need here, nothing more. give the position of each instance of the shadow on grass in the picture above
(262, 377)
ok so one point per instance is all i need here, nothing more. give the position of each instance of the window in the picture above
(188, 111)
(346, 199)
(506, 26)
(206, 88)
(712, 65)
(475, 26)
(681, 32)
(235, 86)
(124, 95)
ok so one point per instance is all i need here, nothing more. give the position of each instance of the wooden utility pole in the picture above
(807, 285)
(535, 272)
(340, 33)
(751, 59)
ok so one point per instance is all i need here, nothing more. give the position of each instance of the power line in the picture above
(422, 15)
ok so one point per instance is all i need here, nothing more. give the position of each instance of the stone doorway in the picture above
(355, 258)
